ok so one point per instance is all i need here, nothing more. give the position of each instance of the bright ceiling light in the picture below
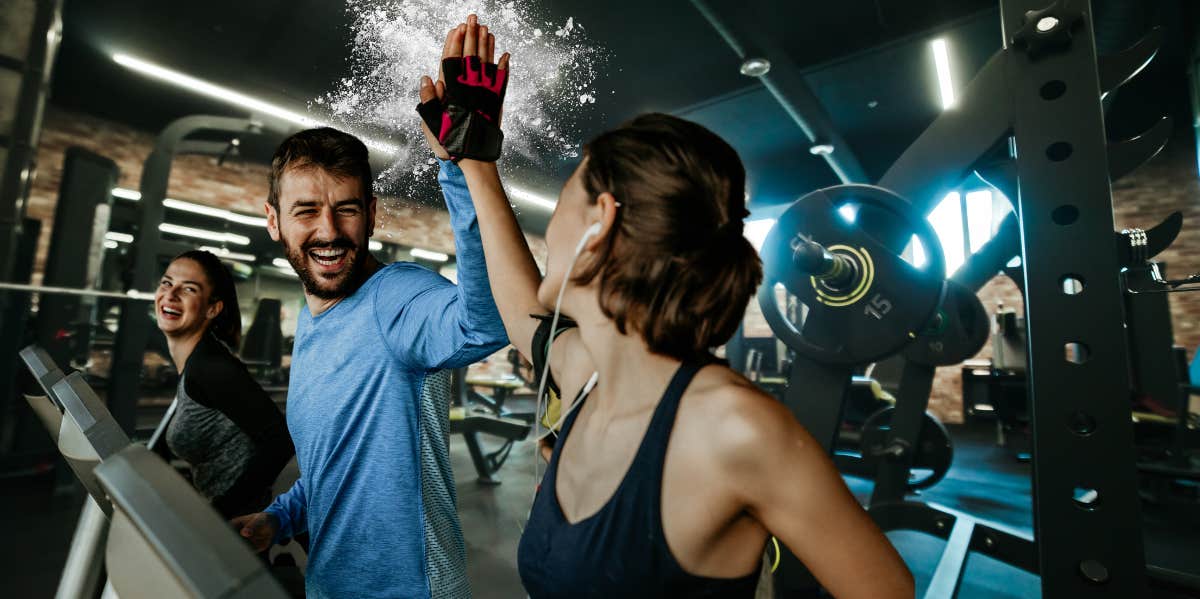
(233, 217)
(224, 253)
(941, 60)
(110, 244)
(204, 234)
(755, 67)
(281, 263)
(227, 95)
(126, 194)
(428, 255)
(820, 149)
(121, 237)
(531, 198)
(374, 246)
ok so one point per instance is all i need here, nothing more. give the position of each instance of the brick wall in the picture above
(236, 185)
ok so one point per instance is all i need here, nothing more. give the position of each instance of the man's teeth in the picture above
(328, 255)
(172, 312)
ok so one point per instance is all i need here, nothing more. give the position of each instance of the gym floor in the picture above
(985, 481)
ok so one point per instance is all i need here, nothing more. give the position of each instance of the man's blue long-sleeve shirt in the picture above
(367, 410)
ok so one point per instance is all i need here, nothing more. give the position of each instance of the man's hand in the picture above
(259, 529)
(467, 39)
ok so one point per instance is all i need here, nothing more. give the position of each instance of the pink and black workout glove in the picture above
(467, 120)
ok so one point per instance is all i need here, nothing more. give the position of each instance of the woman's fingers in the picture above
(428, 90)
(503, 66)
(491, 48)
(471, 42)
(448, 48)
(483, 44)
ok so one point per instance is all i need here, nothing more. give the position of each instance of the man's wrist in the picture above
(477, 166)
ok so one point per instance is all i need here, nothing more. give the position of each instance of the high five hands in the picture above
(461, 112)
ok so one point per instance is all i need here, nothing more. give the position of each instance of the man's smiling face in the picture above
(323, 222)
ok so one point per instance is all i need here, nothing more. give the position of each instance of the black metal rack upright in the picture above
(1087, 518)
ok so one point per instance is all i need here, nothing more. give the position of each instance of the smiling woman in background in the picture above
(225, 426)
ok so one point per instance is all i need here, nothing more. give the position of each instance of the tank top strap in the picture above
(654, 444)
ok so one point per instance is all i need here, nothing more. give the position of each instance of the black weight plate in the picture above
(932, 455)
(958, 331)
(887, 305)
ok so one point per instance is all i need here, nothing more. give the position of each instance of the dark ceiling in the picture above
(867, 61)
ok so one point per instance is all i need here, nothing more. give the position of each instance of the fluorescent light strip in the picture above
(941, 60)
(224, 253)
(203, 234)
(110, 244)
(281, 263)
(121, 237)
(374, 246)
(227, 95)
(531, 198)
(126, 194)
(428, 255)
(232, 217)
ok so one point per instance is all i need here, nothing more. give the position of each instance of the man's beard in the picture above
(346, 281)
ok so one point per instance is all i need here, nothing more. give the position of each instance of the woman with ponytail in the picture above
(670, 471)
(225, 426)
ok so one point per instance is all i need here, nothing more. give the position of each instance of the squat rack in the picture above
(1042, 93)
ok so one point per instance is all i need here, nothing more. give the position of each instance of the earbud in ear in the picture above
(591, 232)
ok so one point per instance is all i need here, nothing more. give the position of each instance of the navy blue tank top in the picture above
(621, 550)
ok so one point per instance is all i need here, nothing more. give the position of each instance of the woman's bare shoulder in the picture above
(735, 414)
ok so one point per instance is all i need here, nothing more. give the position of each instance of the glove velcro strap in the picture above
(470, 135)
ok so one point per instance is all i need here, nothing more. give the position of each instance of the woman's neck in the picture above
(627, 368)
(182, 346)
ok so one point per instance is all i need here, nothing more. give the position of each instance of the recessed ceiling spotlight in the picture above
(1047, 24)
(755, 67)
(820, 149)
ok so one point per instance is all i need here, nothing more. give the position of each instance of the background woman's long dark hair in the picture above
(227, 326)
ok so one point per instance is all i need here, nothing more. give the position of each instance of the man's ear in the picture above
(272, 221)
(372, 204)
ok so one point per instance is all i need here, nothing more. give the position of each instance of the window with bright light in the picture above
(947, 221)
(964, 223)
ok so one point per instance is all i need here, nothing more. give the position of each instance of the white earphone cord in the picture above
(542, 400)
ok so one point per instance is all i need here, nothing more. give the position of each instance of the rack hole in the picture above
(1081, 423)
(1065, 215)
(1086, 498)
(1076, 353)
(1072, 285)
(1059, 151)
(1053, 90)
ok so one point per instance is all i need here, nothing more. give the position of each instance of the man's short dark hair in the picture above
(336, 152)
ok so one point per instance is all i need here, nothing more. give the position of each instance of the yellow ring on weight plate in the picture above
(838, 301)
